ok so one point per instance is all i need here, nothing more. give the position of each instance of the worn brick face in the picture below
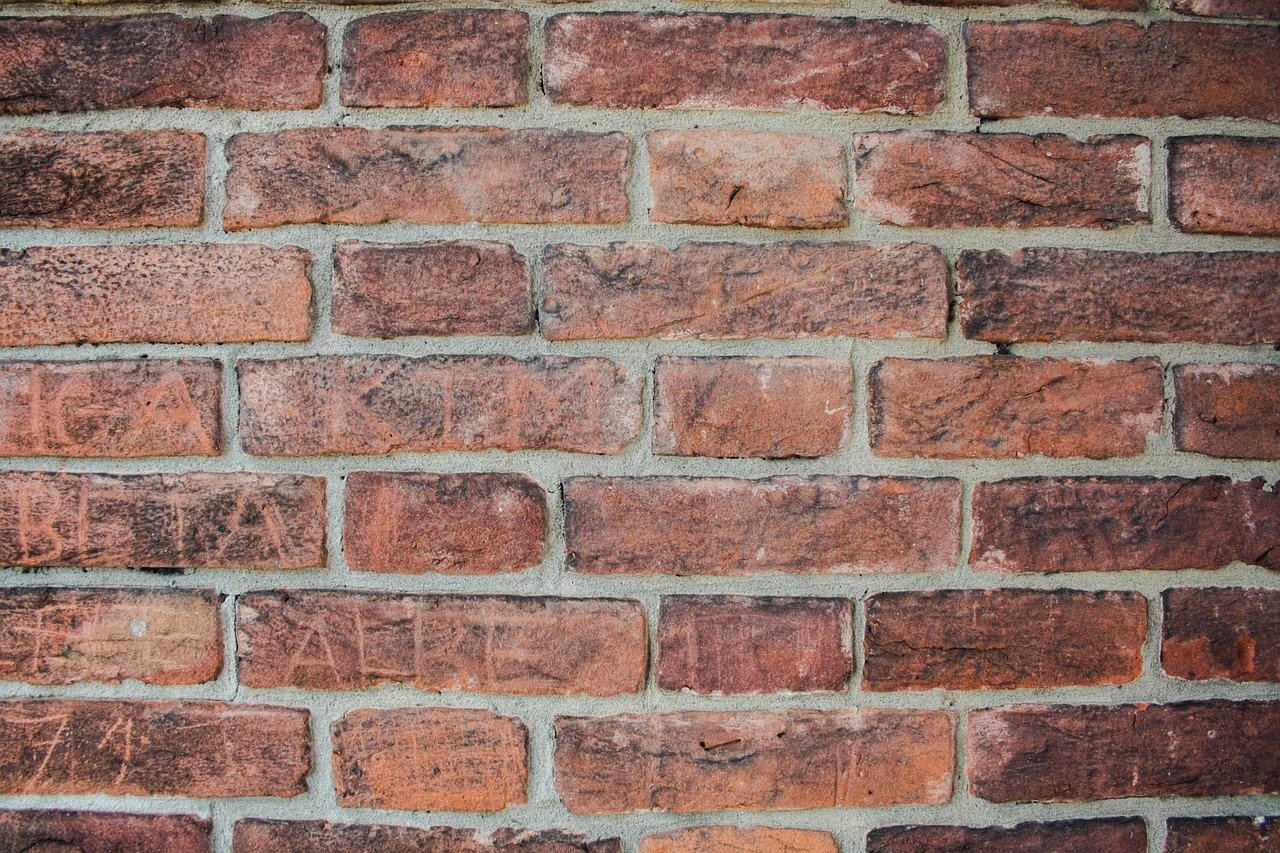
(53, 831)
(1223, 633)
(1225, 185)
(258, 835)
(1228, 8)
(1216, 834)
(1114, 835)
(1227, 410)
(728, 839)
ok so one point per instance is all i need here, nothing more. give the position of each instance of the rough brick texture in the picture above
(1115, 835)
(256, 835)
(1213, 834)
(1222, 633)
(1225, 185)
(1228, 8)
(103, 832)
(1227, 410)
(726, 839)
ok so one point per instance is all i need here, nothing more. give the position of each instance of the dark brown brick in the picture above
(50, 831)
(1225, 185)
(258, 835)
(1222, 834)
(1222, 633)
(1113, 835)
(726, 839)
(1228, 8)
(1227, 410)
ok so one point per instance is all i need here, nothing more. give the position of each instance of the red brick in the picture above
(189, 749)
(1225, 185)
(461, 287)
(1228, 8)
(737, 177)
(771, 62)
(1002, 639)
(388, 403)
(460, 524)
(101, 180)
(1049, 294)
(1227, 410)
(72, 64)
(728, 839)
(162, 521)
(768, 408)
(721, 526)
(1113, 835)
(1220, 834)
(48, 831)
(1222, 633)
(442, 58)
(64, 636)
(180, 294)
(258, 835)
(741, 290)
(940, 179)
(1088, 524)
(692, 761)
(1002, 407)
(330, 640)
(1076, 753)
(736, 644)
(1122, 69)
(140, 407)
(434, 175)
(429, 759)
(1109, 5)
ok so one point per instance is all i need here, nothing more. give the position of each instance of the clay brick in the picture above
(441, 58)
(769, 408)
(429, 759)
(940, 179)
(388, 403)
(101, 180)
(730, 839)
(1076, 753)
(50, 831)
(1122, 69)
(1109, 5)
(460, 524)
(461, 287)
(1228, 8)
(691, 761)
(1049, 294)
(180, 294)
(721, 526)
(1219, 834)
(737, 644)
(1002, 407)
(64, 636)
(1225, 185)
(771, 62)
(1101, 524)
(1002, 639)
(186, 748)
(1114, 835)
(434, 175)
(73, 64)
(162, 521)
(258, 835)
(739, 290)
(330, 640)
(737, 177)
(139, 407)
(1227, 410)
(1222, 633)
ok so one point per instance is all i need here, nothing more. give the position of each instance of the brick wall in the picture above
(775, 428)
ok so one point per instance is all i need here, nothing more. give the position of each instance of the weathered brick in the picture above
(64, 636)
(1050, 294)
(330, 640)
(50, 831)
(429, 759)
(1222, 633)
(1114, 835)
(769, 408)
(772, 62)
(738, 177)
(1220, 834)
(441, 58)
(101, 180)
(462, 287)
(388, 403)
(720, 526)
(738, 644)
(740, 290)
(1001, 406)
(940, 179)
(1076, 753)
(139, 407)
(691, 761)
(728, 839)
(190, 749)
(259, 835)
(357, 176)
(1228, 8)
(1122, 69)
(180, 294)
(71, 64)
(162, 521)
(1224, 184)
(463, 524)
(1101, 524)
(1108, 5)
(1002, 639)
(1228, 410)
